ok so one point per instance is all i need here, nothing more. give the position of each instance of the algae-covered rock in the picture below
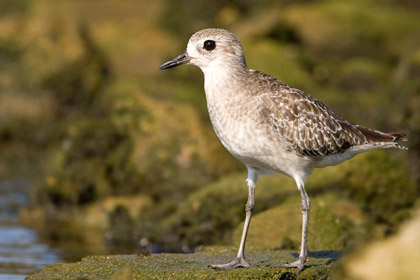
(185, 266)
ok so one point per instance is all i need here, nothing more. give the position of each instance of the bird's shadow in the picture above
(331, 255)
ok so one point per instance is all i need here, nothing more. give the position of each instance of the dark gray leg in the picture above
(240, 261)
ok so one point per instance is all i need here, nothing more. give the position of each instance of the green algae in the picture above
(188, 266)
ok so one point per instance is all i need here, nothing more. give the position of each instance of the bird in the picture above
(270, 126)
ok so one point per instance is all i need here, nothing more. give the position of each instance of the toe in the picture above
(299, 264)
(236, 263)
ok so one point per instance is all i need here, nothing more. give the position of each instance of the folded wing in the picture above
(310, 128)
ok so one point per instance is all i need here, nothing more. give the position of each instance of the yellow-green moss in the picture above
(187, 266)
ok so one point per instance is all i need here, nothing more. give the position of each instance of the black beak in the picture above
(180, 59)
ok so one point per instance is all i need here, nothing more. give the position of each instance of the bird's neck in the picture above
(219, 82)
(222, 94)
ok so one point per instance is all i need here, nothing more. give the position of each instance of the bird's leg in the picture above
(240, 261)
(305, 205)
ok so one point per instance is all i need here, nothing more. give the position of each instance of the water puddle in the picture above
(21, 251)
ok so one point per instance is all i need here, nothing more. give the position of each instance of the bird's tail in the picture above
(378, 139)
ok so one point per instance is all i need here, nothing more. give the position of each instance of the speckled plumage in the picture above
(308, 127)
(270, 126)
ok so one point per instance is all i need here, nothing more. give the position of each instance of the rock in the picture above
(184, 266)
(124, 273)
(397, 257)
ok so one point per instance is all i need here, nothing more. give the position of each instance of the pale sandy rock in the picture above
(395, 258)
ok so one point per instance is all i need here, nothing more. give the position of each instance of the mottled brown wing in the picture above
(308, 126)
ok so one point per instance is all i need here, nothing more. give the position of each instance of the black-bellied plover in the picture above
(270, 126)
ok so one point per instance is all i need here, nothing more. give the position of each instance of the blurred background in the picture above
(101, 153)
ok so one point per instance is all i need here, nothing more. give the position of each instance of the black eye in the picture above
(209, 45)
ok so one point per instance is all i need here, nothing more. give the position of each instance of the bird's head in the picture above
(210, 49)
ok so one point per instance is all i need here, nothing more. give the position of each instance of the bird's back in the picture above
(307, 126)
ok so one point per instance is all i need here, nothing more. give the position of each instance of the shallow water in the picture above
(21, 250)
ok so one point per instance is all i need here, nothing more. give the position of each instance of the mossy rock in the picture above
(186, 266)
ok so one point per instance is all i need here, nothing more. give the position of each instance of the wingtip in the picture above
(399, 136)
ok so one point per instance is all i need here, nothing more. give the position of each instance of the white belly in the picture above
(257, 147)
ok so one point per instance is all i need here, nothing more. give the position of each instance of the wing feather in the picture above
(307, 126)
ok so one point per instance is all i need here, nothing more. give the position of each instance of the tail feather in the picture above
(399, 136)
(382, 139)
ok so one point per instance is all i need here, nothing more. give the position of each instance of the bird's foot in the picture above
(299, 264)
(236, 263)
